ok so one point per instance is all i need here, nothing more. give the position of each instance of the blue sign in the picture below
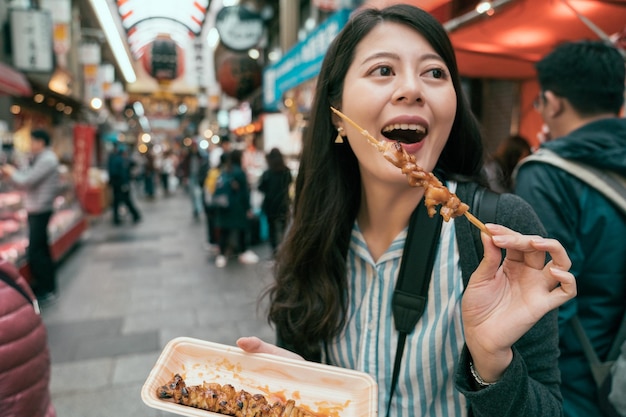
(302, 62)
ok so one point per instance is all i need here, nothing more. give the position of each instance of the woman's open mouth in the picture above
(404, 132)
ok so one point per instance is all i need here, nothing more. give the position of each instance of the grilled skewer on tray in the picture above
(225, 399)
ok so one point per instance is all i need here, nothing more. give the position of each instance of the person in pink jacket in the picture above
(24, 354)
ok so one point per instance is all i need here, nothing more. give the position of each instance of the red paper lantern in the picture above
(163, 59)
(239, 76)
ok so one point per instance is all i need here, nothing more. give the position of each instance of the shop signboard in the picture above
(240, 29)
(302, 62)
(31, 35)
(61, 11)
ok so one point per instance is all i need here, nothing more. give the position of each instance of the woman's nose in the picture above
(408, 89)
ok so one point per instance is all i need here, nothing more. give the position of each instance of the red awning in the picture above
(509, 43)
(520, 32)
(13, 82)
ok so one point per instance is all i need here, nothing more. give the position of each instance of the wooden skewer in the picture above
(371, 139)
(472, 219)
(477, 223)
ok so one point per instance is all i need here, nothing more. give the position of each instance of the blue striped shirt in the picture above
(368, 342)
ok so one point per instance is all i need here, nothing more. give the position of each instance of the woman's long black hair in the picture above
(308, 298)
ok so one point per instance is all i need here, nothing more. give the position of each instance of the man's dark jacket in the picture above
(592, 230)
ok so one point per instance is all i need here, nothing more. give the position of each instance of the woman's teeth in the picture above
(404, 126)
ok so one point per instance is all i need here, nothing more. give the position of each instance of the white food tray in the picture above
(328, 390)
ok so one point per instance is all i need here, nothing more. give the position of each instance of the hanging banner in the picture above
(31, 36)
(84, 136)
(61, 11)
(302, 62)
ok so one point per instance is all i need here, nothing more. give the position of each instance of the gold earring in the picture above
(339, 138)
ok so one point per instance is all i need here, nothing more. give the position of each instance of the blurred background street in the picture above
(126, 291)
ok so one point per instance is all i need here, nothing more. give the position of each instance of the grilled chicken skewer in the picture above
(224, 399)
(435, 192)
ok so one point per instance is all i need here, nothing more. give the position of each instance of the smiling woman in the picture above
(393, 72)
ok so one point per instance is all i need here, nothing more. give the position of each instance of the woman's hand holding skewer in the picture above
(502, 302)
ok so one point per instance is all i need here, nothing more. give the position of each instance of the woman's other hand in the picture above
(502, 302)
(253, 344)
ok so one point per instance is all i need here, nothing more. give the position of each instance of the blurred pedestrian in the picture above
(499, 168)
(234, 212)
(164, 165)
(194, 167)
(275, 183)
(215, 155)
(41, 181)
(119, 168)
(149, 171)
(210, 206)
(581, 97)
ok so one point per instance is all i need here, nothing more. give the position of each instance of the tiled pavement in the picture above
(124, 292)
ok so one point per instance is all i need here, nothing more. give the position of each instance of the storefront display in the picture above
(65, 229)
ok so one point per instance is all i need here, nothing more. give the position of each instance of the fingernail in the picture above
(498, 239)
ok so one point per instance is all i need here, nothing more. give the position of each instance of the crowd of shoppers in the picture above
(232, 227)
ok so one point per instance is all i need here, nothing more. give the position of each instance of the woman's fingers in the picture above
(492, 256)
(518, 246)
(531, 251)
(253, 344)
(559, 256)
(566, 290)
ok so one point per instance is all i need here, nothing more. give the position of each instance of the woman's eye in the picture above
(384, 71)
(437, 73)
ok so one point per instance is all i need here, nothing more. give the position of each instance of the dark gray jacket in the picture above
(530, 385)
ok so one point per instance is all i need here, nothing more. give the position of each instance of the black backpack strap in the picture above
(411, 292)
(418, 258)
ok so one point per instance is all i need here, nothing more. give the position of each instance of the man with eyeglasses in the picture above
(582, 95)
